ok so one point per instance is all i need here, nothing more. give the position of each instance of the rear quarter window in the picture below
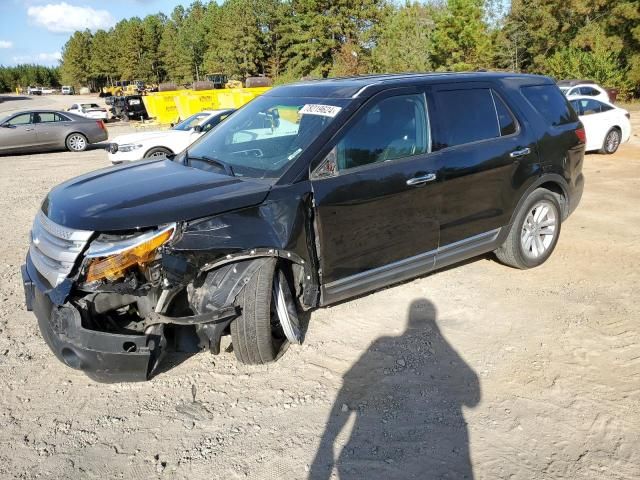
(549, 102)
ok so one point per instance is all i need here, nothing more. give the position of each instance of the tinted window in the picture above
(23, 119)
(505, 118)
(605, 108)
(61, 118)
(393, 128)
(550, 103)
(576, 106)
(213, 122)
(588, 91)
(589, 107)
(465, 116)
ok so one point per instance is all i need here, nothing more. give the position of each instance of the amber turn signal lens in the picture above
(115, 266)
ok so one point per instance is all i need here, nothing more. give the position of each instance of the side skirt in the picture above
(410, 267)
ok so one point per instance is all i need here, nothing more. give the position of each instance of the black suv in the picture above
(312, 193)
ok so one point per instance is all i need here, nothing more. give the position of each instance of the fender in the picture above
(544, 178)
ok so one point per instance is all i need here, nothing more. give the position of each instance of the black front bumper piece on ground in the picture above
(103, 356)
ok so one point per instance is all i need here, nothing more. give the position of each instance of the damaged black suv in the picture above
(310, 194)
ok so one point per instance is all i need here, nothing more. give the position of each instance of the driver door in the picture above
(377, 199)
(18, 133)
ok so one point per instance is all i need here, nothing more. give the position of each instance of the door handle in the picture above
(29, 129)
(421, 180)
(520, 153)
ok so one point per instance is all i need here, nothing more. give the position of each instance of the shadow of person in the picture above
(403, 403)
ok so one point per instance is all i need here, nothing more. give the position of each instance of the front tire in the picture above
(611, 141)
(157, 152)
(256, 333)
(534, 233)
(76, 142)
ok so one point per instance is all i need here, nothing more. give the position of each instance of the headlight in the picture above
(128, 147)
(110, 258)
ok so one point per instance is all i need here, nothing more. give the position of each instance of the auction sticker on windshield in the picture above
(318, 109)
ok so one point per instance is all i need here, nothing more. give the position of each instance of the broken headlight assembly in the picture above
(110, 257)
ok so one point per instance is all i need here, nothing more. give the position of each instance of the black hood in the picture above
(145, 194)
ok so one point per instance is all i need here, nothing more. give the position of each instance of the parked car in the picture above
(89, 110)
(160, 143)
(386, 177)
(47, 90)
(129, 107)
(67, 90)
(34, 90)
(605, 125)
(49, 130)
(583, 88)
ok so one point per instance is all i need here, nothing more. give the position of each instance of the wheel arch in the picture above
(155, 147)
(552, 182)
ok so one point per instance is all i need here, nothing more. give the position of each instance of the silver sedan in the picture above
(49, 130)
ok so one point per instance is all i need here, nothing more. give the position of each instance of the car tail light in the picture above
(582, 136)
(100, 124)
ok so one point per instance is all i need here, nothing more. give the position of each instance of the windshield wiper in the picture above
(225, 166)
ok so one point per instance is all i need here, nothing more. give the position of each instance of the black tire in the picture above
(513, 251)
(611, 141)
(76, 142)
(157, 152)
(252, 333)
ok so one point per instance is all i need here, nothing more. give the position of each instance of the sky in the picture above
(34, 31)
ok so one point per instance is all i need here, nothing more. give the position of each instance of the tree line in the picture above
(25, 75)
(291, 39)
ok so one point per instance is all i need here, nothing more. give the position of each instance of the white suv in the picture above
(573, 88)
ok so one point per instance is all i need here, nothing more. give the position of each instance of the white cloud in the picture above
(6, 44)
(65, 18)
(39, 58)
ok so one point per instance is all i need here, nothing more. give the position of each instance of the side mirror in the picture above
(197, 129)
(171, 125)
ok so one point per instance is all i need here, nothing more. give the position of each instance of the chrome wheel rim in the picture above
(158, 154)
(613, 140)
(77, 142)
(539, 229)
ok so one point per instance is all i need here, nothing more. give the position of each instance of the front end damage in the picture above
(112, 304)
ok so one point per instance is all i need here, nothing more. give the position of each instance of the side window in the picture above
(576, 106)
(605, 108)
(395, 127)
(22, 119)
(465, 116)
(589, 91)
(506, 121)
(589, 107)
(213, 122)
(574, 91)
(61, 118)
(45, 117)
(550, 103)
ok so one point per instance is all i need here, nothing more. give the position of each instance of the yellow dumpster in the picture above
(162, 106)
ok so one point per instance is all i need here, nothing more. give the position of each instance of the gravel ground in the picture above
(478, 371)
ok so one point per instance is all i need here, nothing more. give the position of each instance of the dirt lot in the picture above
(478, 371)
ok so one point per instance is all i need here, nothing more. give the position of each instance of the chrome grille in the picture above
(54, 248)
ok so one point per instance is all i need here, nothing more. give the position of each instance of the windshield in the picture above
(265, 136)
(89, 105)
(191, 122)
(564, 90)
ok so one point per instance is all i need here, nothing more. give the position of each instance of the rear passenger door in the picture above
(484, 153)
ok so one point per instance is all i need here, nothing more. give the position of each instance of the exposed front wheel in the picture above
(76, 142)
(157, 152)
(258, 334)
(534, 233)
(611, 141)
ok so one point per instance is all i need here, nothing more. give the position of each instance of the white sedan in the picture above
(159, 143)
(89, 110)
(583, 89)
(606, 126)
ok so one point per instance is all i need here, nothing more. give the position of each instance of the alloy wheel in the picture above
(77, 143)
(539, 229)
(613, 141)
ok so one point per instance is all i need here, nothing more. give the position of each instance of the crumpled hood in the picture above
(147, 193)
(145, 136)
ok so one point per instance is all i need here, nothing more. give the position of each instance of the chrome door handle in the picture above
(29, 129)
(429, 177)
(520, 153)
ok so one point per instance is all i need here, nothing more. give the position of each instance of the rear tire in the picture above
(255, 336)
(611, 141)
(157, 152)
(534, 233)
(76, 142)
